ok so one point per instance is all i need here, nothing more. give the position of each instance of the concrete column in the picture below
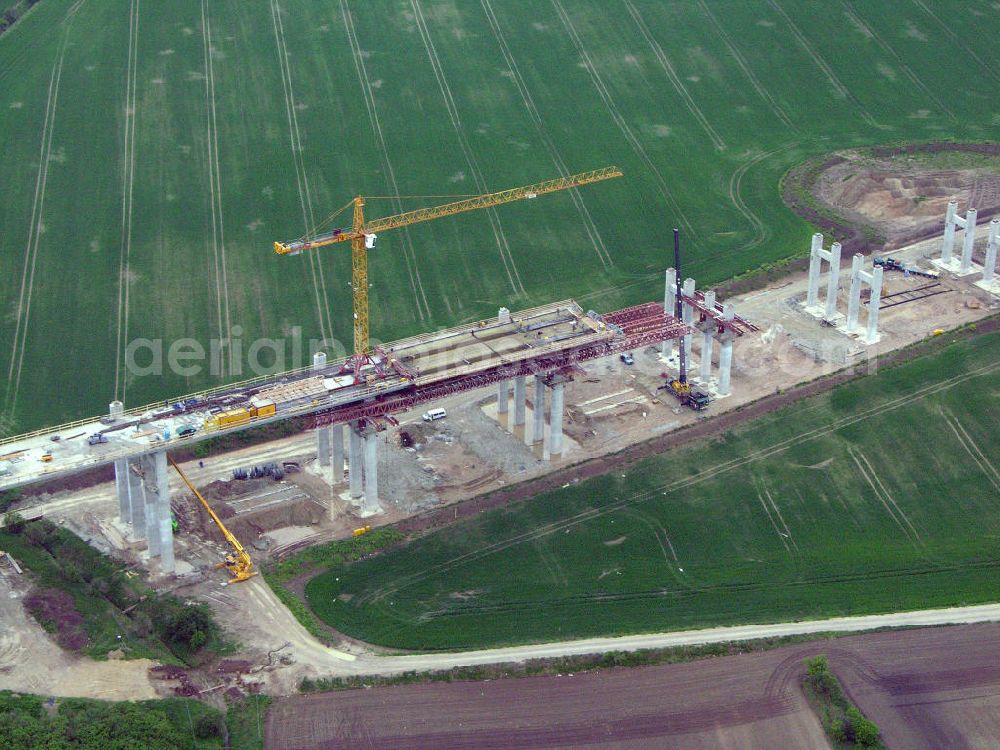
(854, 298)
(356, 472)
(815, 264)
(669, 303)
(337, 438)
(503, 396)
(538, 433)
(968, 241)
(833, 282)
(371, 474)
(519, 389)
(323, 445)
(707, 339)
(166, 530)
(688, 315)
(725, 366)
(556, 421)
(993, 242)
(873, 304)
(707, 342)
(151, 508)
(121, 489)
(137, 497)
(948, 243)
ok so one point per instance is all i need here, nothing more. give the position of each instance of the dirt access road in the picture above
(926, 688)
(270, 626)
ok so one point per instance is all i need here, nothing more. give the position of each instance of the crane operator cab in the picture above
(370, 241)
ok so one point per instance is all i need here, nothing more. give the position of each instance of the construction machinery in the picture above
(237, 562)
(679, 387)
(891, 264)
(363, 234)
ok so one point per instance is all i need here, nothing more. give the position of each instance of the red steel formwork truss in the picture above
(639, 326)
(738, 326)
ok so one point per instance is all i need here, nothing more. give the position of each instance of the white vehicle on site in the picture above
(432, 415)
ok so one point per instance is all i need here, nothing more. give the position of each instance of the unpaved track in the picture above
(925, 688)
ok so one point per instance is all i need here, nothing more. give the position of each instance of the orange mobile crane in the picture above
(237, 562)
(362, 236)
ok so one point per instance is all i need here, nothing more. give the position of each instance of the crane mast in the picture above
(362, 236)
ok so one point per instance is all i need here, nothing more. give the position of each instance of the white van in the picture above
(434, 414)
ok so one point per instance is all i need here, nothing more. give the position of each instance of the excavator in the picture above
(237, 562)
(679, 387)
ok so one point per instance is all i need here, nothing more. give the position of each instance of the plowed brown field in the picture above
(927, 688)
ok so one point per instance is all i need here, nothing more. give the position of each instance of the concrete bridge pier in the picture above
(323, 445)
(556, 420)
(503, 400)
(669, 306)
(538, 417)
(355, 472)
(143, 488)
(337, 438)
(163, 524)
(371, 505)
(519, 395)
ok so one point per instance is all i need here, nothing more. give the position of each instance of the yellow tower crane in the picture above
(362, 236)
(237, 562)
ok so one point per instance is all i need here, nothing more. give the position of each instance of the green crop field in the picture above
(882, 495)
(152, 151)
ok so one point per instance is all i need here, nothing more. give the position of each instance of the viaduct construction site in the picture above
(524, 356)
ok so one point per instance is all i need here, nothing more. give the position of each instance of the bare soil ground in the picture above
(906, 203)
(30, 660)
(925, 688)
(886, 198)
(719, 703)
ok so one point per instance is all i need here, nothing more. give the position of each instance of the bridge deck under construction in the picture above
(420, 369)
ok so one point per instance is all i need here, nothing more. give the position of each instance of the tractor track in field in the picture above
(966, 441)
(470, 158)
(215, 187)
(409, 252)
(301, 176)
(593, 233)
(957, 39)
(619, 120)
(761, 232)
(767, 511)
(741, 61)
(675, 81)
(706, 474)
(781, 517)
(887, 48)
(896, 513)
(36, 227)
(822, 64)
(128, 179)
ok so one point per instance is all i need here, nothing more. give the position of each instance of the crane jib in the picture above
(363, 235)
